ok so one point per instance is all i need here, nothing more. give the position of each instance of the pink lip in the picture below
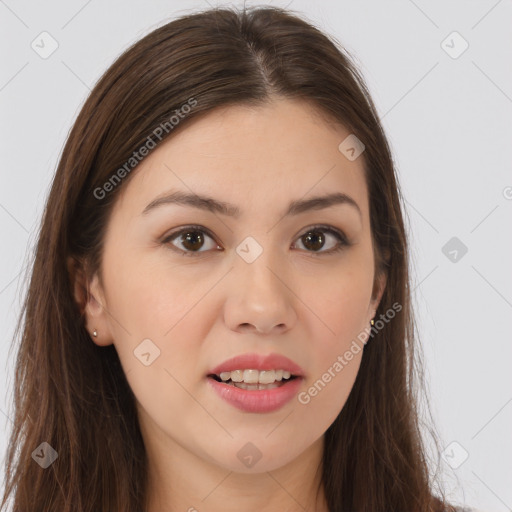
(257, 400)
(259, 362)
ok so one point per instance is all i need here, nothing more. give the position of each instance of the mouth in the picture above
(255, 397)
(256, 383)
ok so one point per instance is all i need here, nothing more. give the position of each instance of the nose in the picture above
(260, 298)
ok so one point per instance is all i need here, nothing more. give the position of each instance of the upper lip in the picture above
(260, 362)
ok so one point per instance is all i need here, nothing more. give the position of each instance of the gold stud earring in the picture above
(372, 322)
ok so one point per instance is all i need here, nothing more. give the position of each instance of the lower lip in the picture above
(264, 400)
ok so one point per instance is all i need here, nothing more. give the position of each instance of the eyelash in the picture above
(343, 242)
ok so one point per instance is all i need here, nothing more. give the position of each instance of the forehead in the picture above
(251, 155)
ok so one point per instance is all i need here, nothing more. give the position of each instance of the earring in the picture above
(95, 333)
(372, 322)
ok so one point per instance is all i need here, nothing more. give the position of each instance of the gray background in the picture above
(448, 122)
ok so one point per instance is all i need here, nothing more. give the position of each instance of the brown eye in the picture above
(192, 240)
(314, 240)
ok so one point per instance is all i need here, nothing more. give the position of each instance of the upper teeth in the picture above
(255, 376)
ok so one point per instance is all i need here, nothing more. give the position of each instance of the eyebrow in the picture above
(215, 206)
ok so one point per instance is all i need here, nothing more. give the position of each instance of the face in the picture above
(185, 289)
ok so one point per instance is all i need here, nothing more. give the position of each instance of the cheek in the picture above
(165, 308)
(337, 330)
(148, 296)
(326, 392)
(173, 310)
(337, 356)
(341, 304)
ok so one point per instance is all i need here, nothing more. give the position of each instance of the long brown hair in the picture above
(73, 394)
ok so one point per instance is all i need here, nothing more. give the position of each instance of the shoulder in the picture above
(466, 509)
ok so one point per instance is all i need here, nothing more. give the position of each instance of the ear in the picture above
(377, 292)
(89, 296)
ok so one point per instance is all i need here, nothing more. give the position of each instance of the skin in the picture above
(201, 310)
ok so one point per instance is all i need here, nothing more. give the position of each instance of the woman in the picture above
(271, 368)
